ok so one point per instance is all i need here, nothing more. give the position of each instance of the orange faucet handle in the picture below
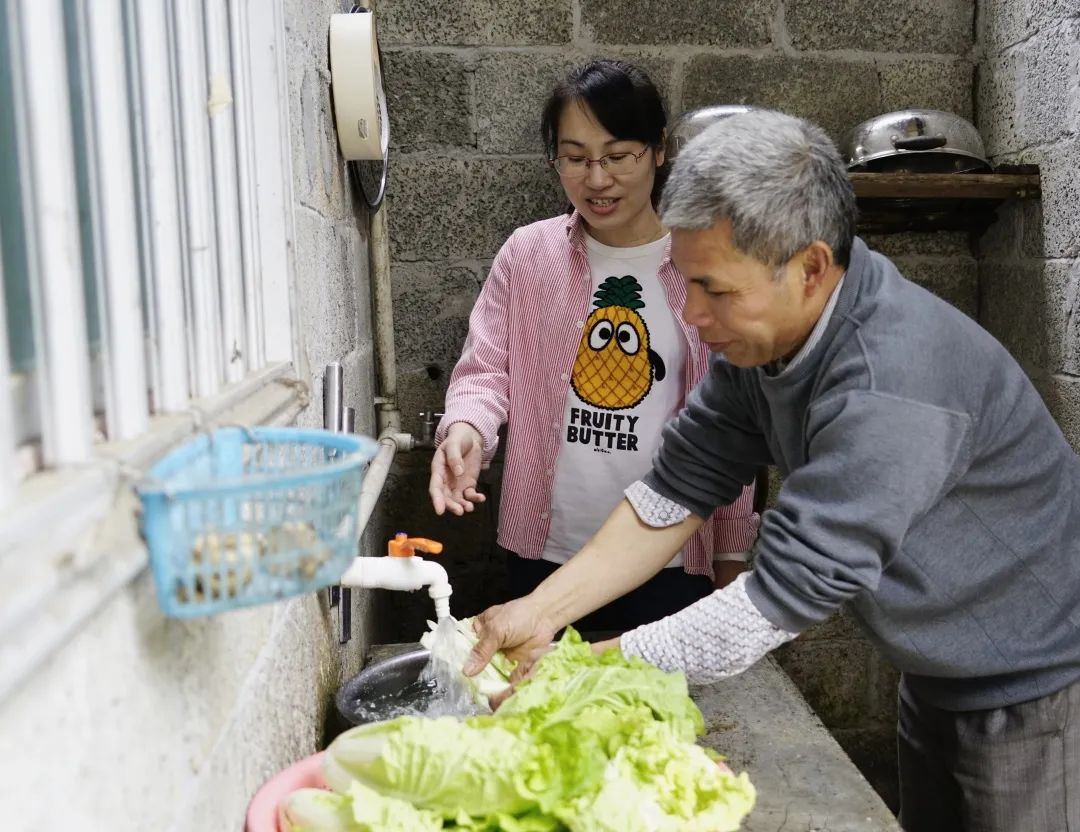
(403, 546)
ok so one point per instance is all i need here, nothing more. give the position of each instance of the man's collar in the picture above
(816, 333)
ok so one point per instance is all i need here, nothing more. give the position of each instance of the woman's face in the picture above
(617, 209)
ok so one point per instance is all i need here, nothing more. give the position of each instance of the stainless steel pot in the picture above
(692, 123)
(915, 141)
(384, 688)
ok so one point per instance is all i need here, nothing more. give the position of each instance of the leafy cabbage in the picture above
(571, 681)
(587, 744)
(482, 765)
(359, 810)
(451, 641)
(657, 783)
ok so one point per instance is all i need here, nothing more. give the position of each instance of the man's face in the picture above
(740, 307)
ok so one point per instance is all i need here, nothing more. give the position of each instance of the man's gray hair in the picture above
(777, 178)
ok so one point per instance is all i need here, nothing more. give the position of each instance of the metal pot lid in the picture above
(913, 132)
(693, 122)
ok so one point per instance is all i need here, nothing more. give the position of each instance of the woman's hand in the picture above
(455, 470)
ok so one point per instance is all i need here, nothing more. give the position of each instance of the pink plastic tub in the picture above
(262, 814)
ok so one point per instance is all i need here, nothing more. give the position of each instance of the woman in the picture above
(576, 343)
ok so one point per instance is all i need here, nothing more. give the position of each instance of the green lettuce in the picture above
(315, 810)
(572, 680)
(587, 744)
(452, 641)
(482, 765)
(656, 782)
(359, 810)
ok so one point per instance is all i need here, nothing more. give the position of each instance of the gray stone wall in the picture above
(466, 83)
(1028, 111)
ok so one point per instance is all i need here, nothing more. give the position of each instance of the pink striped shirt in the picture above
(515, 368)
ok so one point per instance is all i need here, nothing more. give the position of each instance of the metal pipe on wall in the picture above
(382, 308)
(348, 425)
(391, 439)
(333, 393)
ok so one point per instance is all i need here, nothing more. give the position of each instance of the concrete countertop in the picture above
(804, 780)
(761, 723)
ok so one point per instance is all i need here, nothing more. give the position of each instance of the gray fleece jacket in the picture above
(927, 488)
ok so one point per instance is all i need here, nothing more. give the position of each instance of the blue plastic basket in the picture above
(246, 516)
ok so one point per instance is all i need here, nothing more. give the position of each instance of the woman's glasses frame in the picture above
(616, 164)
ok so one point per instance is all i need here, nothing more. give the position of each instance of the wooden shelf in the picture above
(946, 185)
(890, 202)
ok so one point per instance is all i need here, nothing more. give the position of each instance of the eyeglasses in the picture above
(617, 164)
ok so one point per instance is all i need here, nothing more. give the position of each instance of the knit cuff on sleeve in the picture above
(654, 509)
(721, 635)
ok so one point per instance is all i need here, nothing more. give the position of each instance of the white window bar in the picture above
(226, 195)
(114, 220)
(50, 214)
(249, 206)
(142, 202)
(205, 313)
(158, 99)
(8, 476)
(274, 174)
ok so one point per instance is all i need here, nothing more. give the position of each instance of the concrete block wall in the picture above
(144, 723)
(1028, 110)
(466, 84)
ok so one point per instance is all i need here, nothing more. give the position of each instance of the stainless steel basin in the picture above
(385, 687)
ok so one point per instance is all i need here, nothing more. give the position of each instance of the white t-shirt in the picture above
(626, 384)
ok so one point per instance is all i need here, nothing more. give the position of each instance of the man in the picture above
(928, 490)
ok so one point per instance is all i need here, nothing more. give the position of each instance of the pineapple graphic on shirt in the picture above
(615, 367)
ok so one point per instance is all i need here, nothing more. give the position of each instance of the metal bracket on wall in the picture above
(337, 418)
(348, 424)
(429, 421)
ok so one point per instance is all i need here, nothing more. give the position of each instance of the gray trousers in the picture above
(1012, 769)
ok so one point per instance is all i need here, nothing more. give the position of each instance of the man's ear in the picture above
(816, 261)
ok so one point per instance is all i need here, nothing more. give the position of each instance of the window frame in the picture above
(69, 540)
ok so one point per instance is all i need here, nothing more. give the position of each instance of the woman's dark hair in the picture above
(624, 100)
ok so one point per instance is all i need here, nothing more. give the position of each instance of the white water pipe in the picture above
(390, 442)
(382, 310)
(388, 417)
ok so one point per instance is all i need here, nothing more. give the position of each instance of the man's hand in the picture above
(516, 628)
(601, 647)
(455, 470)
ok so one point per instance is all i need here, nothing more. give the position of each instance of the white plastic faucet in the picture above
(402, 568)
